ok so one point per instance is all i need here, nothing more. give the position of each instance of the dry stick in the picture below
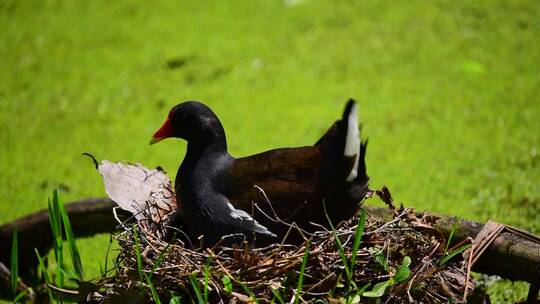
(121, 224)
(469, 265)
(419, 270)
(320, 226)
(186, 259)
(241, 297)
(64, 291)
(272, 207)
(395, 220)
(267, 200)
(277, 219)
(144, 211)
(183, 233)
(223, 238)
(281, 244)
(5, 275)
(291, 226)
(327, 278)
(299, 297)
(461, 243)
(230, 275)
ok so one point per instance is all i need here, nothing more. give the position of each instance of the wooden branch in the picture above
(511, 255)
(87, 217)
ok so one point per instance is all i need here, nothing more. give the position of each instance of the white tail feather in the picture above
(352, 142)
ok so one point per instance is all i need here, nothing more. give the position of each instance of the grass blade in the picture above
(73, 249)
(159, 259)
(301, 275)
(358, 238)
(20, 295)
(452, 232)
(249, 292)
(106, 267)
(56, 226)
(174, 300)
(138, 252)
(53, 219)
(196, 288)
(14, 267)
(153, 290)
(449, 256)
(340, 246)
(45, 274)
(277, 296)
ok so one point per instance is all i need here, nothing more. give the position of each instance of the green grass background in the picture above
(448, 91)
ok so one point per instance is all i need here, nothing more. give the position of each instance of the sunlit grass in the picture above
(448, 93)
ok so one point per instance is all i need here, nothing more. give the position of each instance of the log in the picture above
(88, 217)
(512, 255)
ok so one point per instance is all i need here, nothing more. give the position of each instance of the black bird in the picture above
(217, 192)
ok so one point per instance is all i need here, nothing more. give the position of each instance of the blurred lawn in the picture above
(449, 93)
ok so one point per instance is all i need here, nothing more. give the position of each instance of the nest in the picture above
(404, 260)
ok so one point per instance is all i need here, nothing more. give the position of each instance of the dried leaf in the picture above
(147, 193)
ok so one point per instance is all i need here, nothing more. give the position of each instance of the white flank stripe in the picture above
(241, 215)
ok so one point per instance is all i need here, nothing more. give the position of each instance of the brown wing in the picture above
(288, 177)
(297, 182)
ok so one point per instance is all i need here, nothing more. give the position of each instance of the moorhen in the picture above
(217, 192)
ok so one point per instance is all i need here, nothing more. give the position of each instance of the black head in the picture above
(192, 121)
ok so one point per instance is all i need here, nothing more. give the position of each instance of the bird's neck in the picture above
(206, 148)
(207, 143)
(203, 164)
(205, 158)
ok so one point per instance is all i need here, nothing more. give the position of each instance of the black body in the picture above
(217, 192)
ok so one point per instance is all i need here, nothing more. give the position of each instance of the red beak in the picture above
(165, 131)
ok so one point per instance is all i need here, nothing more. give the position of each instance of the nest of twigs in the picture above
(404, 260)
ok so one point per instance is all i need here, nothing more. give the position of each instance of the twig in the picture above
(469, 265)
